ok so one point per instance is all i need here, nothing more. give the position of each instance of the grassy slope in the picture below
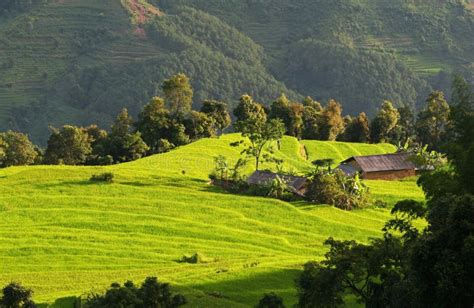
(64, 236)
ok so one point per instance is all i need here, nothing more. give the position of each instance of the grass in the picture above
(340, 151)
(64, 236)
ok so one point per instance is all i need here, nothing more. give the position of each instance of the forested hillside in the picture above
(81, 61)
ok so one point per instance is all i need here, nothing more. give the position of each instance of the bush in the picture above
(195, 259)
(271, 300)
(15, 295)
(107, 177)
(335, 188)
(151, 293)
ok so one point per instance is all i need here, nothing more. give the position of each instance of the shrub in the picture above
(15, 295)
(335, 188)
(195, 259)
(107, 177)
(151, 293)
(271, 300)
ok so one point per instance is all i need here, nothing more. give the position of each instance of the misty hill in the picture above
(81, 61)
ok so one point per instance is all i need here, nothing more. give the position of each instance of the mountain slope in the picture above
(64, 236)
(80, 62)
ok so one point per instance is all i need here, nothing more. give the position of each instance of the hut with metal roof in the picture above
(297, 184)
(380, 167)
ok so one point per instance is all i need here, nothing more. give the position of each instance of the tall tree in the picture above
(280, 109)
(200, 125)
(383, 124)
(333, 123)
(260, 136)
(405, 128)
(16, 150)
(312, 122)
(357, 129)
(178, 94)
(249, 112)
(123, 144)
(70, 146)
(154, 123)
(433, 121)
(218, 111)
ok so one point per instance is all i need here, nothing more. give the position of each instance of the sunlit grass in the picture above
(63, 235)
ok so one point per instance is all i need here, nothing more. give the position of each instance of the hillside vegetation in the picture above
(80, 61)
(63, 235)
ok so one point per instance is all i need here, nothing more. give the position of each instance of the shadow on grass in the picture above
(249, 289)
(67, 183)
(65, 302)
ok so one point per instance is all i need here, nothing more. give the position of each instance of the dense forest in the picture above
(80, 62)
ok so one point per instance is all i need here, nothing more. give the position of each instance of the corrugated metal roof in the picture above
(265, 177)
(385, 162)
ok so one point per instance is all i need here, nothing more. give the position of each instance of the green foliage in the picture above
(365, 52)
(433, 121)
(224, 171)
(123, 144)
(260, 135)
(270, 300)
(178, 94)
(151, 293)
(107, 177)
(70, 146)
(218, 112)
(15, 295)
(334, 188)
(384, 123)
(154, 123)
(16, 150)
(408, 268)
(196, 258)
(357, 130)
(332, 122)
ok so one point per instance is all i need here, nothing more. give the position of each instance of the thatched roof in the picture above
(265, 177)
(385, 162)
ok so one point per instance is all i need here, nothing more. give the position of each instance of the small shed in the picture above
(297, 184)
(380, 167)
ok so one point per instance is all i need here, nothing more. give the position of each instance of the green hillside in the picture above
(63, 236)
(81, 61)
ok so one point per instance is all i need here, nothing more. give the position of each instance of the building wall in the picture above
(388, 175)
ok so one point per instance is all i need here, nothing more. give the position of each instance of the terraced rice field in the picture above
(64, 236)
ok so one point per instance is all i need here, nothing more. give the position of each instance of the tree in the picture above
(383, 124)
(15, 296)
(218, 112)
(123, 144)
(16, 150)
(332, 121)
(260, 135)
(270, 300)
(200, 125)
(312, 123)
(151, 294)
(309, 102)
(405, 128)
(178, 94)
(70, 146)
(280, 109)
(357, 130)
(248, 112)
(98, 138)
(409, 267)
(433, 121)
(154, 123)
(460, 148)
